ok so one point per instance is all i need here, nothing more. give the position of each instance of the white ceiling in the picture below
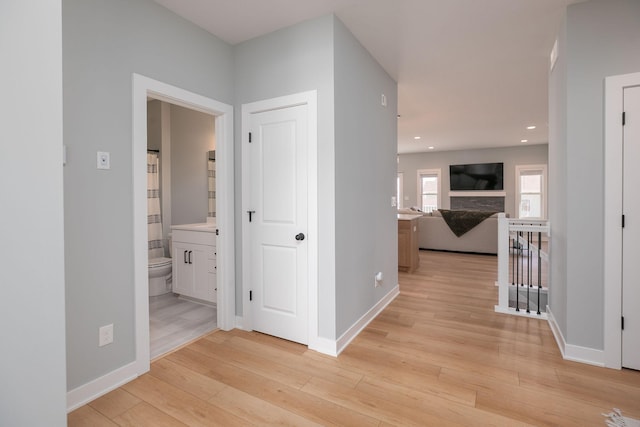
(470, 73)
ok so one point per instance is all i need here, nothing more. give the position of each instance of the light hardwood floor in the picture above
(437, 356)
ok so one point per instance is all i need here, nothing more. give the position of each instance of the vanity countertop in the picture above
(207, 227)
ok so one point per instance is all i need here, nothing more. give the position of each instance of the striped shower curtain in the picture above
(211, 173)
(154, 217)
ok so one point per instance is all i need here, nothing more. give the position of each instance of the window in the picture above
(531, 197)
(428, 189)
(399, 192)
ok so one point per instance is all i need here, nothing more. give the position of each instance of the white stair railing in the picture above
(523, 262)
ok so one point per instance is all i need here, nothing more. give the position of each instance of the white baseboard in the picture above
(239, 322)
(324, 345)
(335, 347)
(557, 334)
(362, 323)
(575, 353)
(100, 386)
(521, 313)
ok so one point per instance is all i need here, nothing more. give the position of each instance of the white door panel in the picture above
(279, 172)
(279, 265)
(631, 231)
(278, 196)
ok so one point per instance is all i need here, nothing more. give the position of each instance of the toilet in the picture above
(160, 275)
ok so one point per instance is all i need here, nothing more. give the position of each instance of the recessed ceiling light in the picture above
(524, 140)
(431, 148)
(531, 127)
(417, 137)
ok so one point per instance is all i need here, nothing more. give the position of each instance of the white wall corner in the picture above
(100, 386)
(574, 353)
(324, 345)
(590, 356)
(239, 323)
(362, 323)
(557, 333)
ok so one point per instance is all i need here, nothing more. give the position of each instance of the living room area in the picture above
(490, 201)
(424, 180)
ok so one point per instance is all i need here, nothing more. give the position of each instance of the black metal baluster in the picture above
(539, 268)
(518, 262)
(528, 269)
(512, 252)
(512, 241)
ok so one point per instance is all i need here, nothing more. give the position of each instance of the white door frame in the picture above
(144, 87)
(613, 133)
(310, 99)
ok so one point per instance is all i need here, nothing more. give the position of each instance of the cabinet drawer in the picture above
(197, 237)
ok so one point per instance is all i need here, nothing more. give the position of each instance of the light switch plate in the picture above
(104, 160)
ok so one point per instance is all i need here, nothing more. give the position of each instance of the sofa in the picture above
(434, 233)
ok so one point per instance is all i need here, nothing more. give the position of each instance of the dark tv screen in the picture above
(480, 176)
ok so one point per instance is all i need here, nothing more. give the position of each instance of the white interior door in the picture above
(278, 204)
(631, 230)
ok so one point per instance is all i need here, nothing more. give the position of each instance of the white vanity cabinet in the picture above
(194, 261)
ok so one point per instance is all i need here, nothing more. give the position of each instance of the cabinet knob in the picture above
(300, 237)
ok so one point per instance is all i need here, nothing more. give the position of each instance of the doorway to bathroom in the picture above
(181, 191)
(181, 133)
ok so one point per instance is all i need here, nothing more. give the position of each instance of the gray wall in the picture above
(292, 60)
(321, 54)
(192, 137)
(558, 188)
(104, 42)
(602, 39)
(409, 164)
(32, 360)
(365, 170)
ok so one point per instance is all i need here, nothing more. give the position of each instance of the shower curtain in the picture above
(154, 217)
(211, 173)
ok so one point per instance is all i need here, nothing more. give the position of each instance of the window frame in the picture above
(519, 169)
(429, 172)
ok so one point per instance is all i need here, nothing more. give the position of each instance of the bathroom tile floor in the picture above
(174, 321)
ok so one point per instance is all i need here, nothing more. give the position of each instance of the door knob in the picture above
(300, 237)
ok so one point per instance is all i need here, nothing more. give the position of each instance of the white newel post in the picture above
(503, 262)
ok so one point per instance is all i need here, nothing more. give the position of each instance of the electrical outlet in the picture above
(377, 279)
(105, 335)
(104, 160)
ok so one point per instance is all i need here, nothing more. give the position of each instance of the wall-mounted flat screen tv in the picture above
(479, 176)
